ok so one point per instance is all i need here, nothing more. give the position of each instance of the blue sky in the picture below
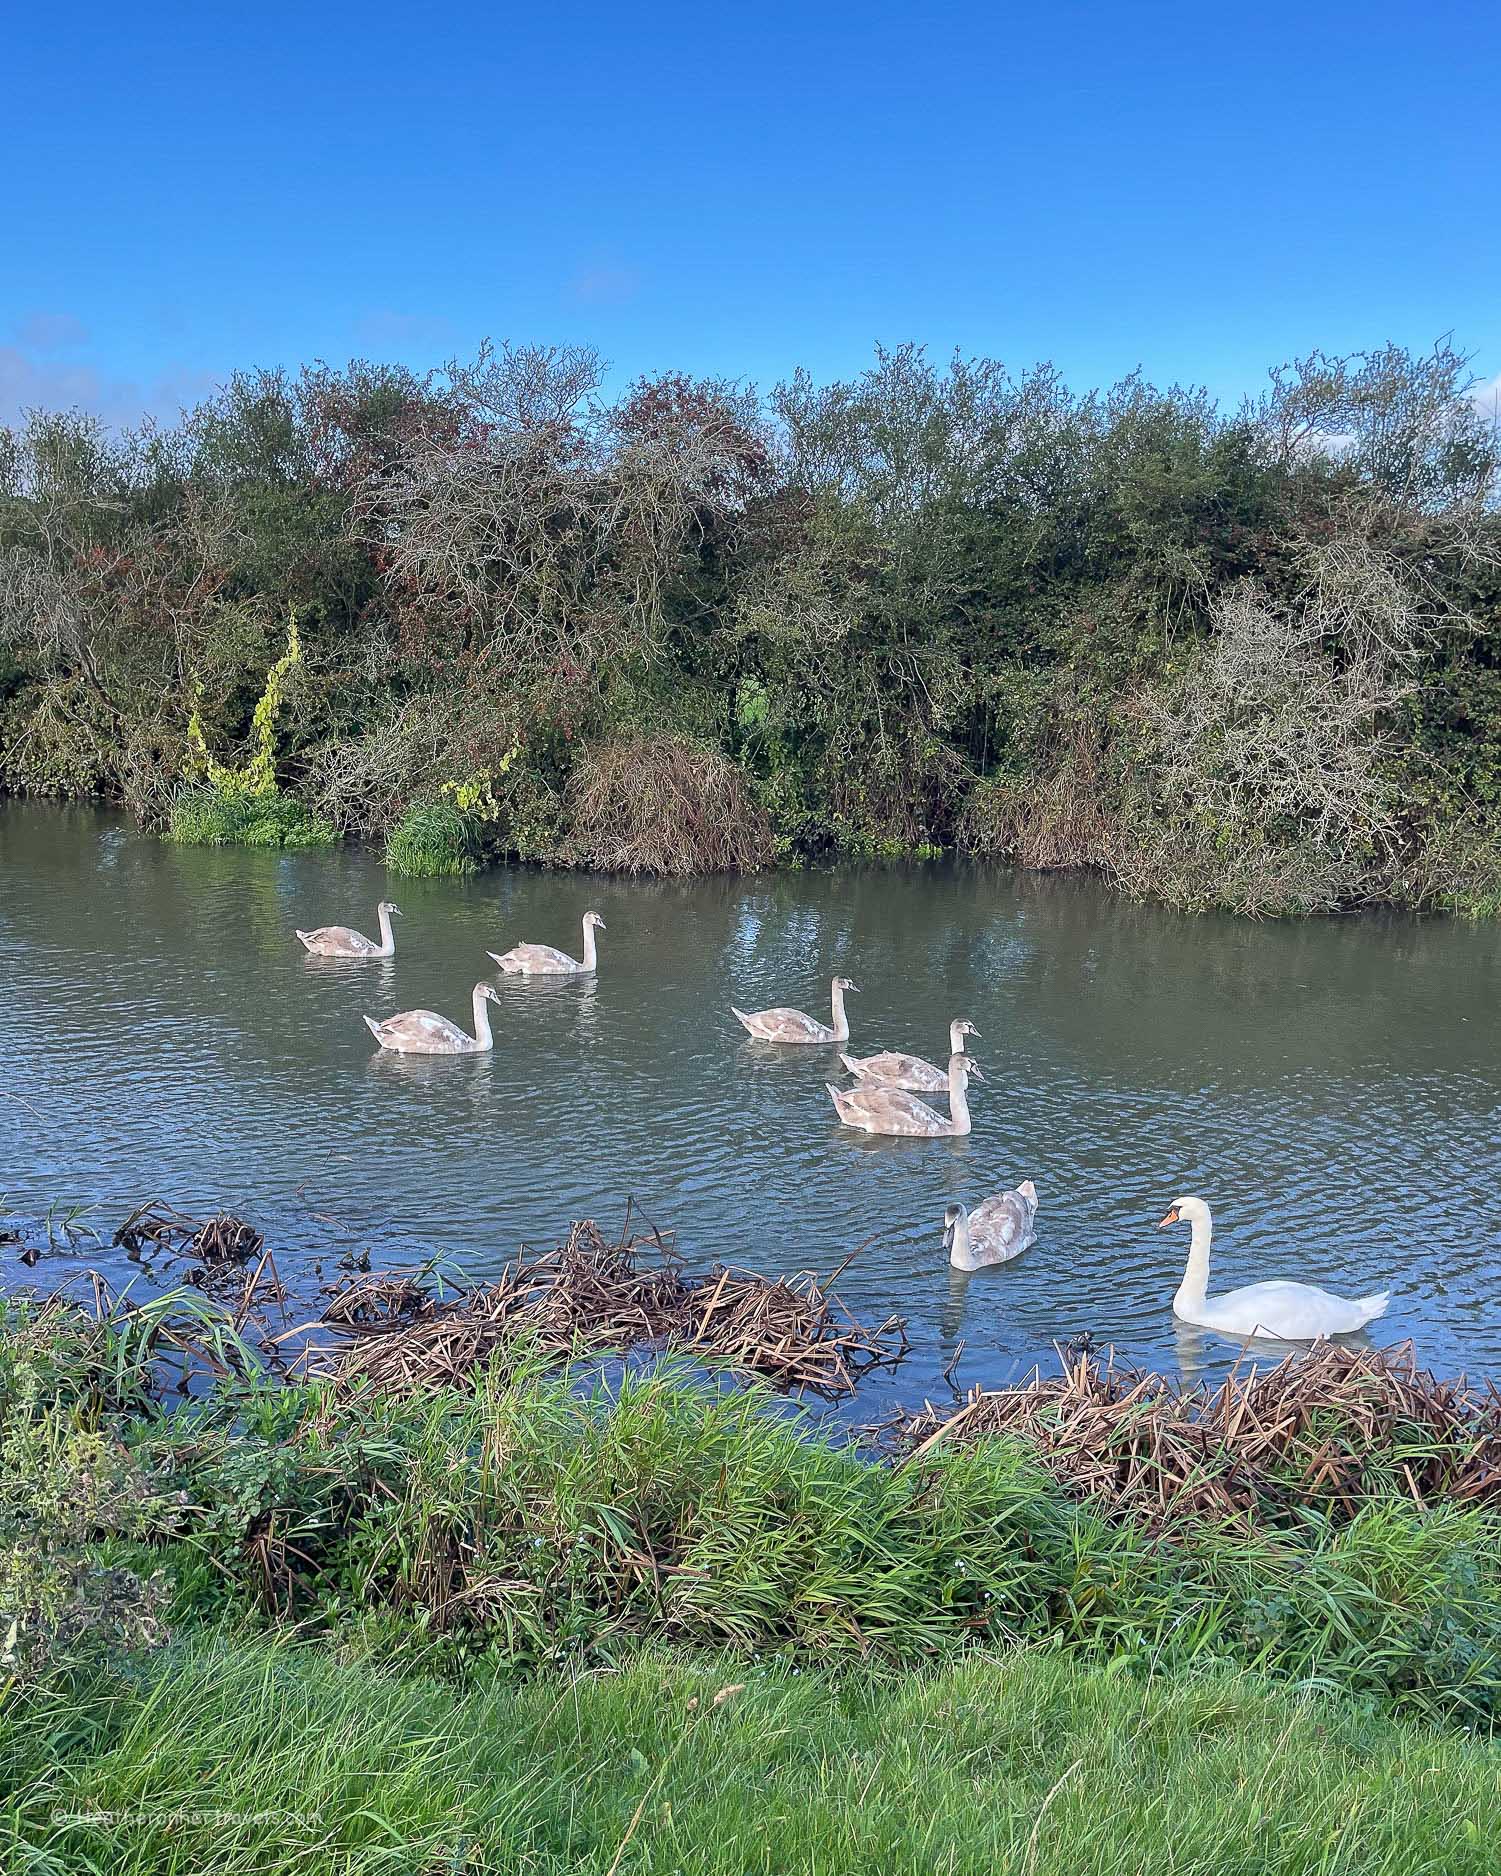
(1199, 189)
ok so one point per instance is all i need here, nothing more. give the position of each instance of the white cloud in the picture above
(1486, 398)
(49, 332)
(31, 383)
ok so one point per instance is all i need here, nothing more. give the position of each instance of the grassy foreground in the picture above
(532, 1624)
(524, 1524)
(267, 1759)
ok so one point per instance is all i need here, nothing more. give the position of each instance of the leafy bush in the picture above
(69, 1493)
(1247, 660)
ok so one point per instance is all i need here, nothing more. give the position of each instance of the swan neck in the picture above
(960, 1252)
(841, 1021)
(387, 936)
(956, 1041)
(1195, 1285)
(958, 1099)
(482, 1033)
(591, 958)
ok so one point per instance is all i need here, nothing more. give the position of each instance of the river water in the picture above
(1332, 1088)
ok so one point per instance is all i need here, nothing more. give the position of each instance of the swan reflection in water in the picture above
(1205, 1355)
(517, 994)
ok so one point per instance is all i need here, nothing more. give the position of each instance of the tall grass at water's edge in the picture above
(209, 816)
(254, 1757)
(531, 1524)
(434, 840)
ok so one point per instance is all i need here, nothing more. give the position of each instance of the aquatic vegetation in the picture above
(210, 816)
(1332, 1428)
(591, 1294)
(533, 1517)
(434, 840)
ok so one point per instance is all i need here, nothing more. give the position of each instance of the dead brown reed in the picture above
(1055, 816)
(377, 1300)
(593, 1295)
(221, 1241)
(643, 804)
(1325, 1428)
(219, 1250)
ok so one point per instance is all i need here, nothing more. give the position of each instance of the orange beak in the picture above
(1171, 1219)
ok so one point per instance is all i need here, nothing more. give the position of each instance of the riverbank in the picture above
(1244, 660)
(532, 1519)
(540, 1621)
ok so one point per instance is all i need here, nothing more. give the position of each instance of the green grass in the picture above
(486, 1631)
(531, 1524)
(250, 1758)
(433, 840)
(213, 817)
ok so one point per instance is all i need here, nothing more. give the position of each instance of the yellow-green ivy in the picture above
(258, 777)
(475, 795)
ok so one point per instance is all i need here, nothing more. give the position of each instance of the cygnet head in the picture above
(952, 1215)
(845, 983)
(1190, 1208)
(969, 1069)
(593, 918)
(488, 991)
(964, 1027)
(386, 906)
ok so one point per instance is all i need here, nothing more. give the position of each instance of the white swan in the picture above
(343, 941)
(1287, 1312)
(874, 1109)
(997, 1230)
(792, 1026)
(423, 1032)
(547, 960)
(894, 1070)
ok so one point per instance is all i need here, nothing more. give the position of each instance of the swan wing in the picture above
(337, 941)
(1003, 1226)
(1290, 1312)
(894, 1070)
(535, 961)
(784, 1026)
(876, 1109)
(422, 1032)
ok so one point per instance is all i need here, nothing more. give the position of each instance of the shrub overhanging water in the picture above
(1247, 660)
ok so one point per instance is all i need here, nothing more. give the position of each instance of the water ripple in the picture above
(1332, 1087)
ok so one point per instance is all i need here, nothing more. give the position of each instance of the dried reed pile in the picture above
(592, 1295)
(220, 1242)
(1327, 1428)
(377, 1300)
(231, 1260)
